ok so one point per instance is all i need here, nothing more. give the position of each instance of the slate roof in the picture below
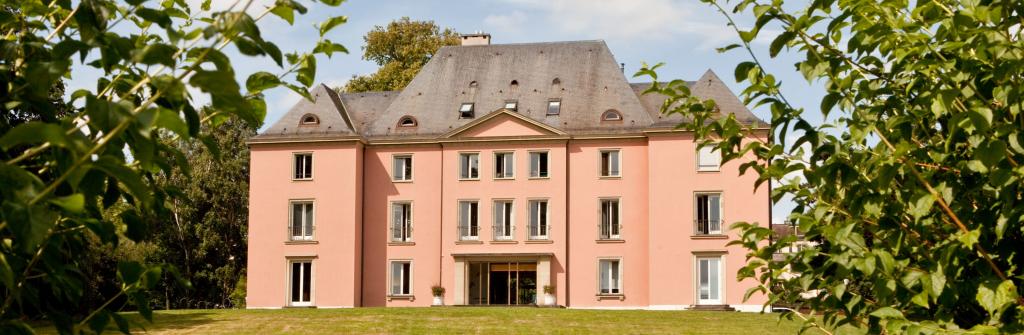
(589, 83)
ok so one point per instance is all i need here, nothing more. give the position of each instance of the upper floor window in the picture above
(511, 105)
(708, 213)
(610, 219)
(554, 106)
(469, 165)
(709, 158)
(303, 166)
(611, 115)
(539, 164)
(609, 271)
(469, 225)
(504, 226)
(538, 219)
(309, 119)
(301, 224)
(401, 168)
(504, 165)
(407, 121)
(610, 163)
(401, 222)
(401, 278)
(466, 110)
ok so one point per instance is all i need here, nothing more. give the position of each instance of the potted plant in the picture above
(549, 295)
(438, 292)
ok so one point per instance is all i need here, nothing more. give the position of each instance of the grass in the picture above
(457, 320)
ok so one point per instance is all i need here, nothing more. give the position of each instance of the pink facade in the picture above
(353, 206)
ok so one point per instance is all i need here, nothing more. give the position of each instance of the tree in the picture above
(915, 189)
(70, 179)
(400, 49)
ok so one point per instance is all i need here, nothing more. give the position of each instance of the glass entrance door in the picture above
(709, 281)
(502, 283)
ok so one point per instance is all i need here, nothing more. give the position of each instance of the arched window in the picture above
(407, 121)
(611, 115)
(556, 82)
(513, 87)
(309, 119)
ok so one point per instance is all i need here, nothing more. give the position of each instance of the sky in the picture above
(681, 33)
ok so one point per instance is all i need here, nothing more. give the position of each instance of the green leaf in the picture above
(922, 205)
(995, 297)
(779, 42)
(330, 23)
(727, 48)
(332, 3)
(329, 48)
(156, 16)
(74, 203)
(33, 133)
(156, 53)
(172, 121)
(306, 72)
(887, 313)
(261, 81)
(284, 12)
(129, 271)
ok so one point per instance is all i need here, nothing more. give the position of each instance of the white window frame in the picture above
(547, 168)
(500, 233)
(305, 235)
(696, 213)
(618, 283)
(511, 174)
(547, 219)
(410, 275)
(305, 163)
(618, 161)
(470, 110)
(721, 280)
(468, 168)
(312, 282)
(558, 107)
(617, 235)
(466, 225)
(408, 224)
(710, 152)
(395, 176)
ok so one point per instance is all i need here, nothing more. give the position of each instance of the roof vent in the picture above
(477, 38)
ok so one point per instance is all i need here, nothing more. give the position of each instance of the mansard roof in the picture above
(582, 75)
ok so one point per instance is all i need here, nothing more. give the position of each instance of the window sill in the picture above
(539, 242)
(302, 179)
(611, 240)
(710, 237)
(539, 178)
(617, 296)
(610, 177)
(401, 297)
(708, 171)
(401, 181)
(504, 242)
(469, 242)
(469, 179)
(505, 178)
(295, 242)
(398, 243)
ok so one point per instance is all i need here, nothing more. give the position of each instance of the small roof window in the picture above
(466, 110)
(611, 115)
(407, 121)
(309, 119)
(554, 106)
(511, 105)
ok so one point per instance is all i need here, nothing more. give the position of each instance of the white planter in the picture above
(549, 299)
(438, 301)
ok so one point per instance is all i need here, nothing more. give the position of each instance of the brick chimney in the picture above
(477, 38)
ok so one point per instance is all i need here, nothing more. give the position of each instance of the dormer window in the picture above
(554, 106)
(466, 110)
(511, 105)
(513, 86)
(309, 119)
(407, 121)
(611, 115)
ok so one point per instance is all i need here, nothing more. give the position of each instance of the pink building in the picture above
(499, 170)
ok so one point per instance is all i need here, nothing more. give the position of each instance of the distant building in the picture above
(499, 170)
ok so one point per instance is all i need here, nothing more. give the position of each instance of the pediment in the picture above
(504, 123)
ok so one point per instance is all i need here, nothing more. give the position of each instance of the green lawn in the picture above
(459, 320)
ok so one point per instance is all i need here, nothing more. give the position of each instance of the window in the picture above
(708, 158)
(611, 115)
(309, 119)
(554, 106)
(303, 166)
(466, 111)
(511, 105)
(610, 219)
(401, 278)
(709, 280)
(539, 164)
(709, 214)
(504, 165)
(469, 166)
(610, 163)
(402, 168)
(609, 270)
(469, 227)
(301, 225)
(401, 222)
(407, 121)
(503, 225)
(301, 282)
(538, 219)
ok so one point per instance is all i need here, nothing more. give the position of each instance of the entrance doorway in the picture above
(502, 283)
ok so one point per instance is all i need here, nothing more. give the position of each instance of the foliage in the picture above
(437, 290)
(549, 289)
(914, 185)
(63, 170)
(238, 293)
(400, 49)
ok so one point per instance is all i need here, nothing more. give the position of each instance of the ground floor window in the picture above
(301, 282)
(609, 271)
(709, 283)
(401, 278)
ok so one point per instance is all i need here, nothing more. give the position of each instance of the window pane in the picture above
(713, 278)
(407, 168)
(296, 280)
(396, 169)
(499, 214)
(509, 165)
(463, 166)
(534, 219)
(534, 164)
(543, 164)
(604, 219)
(614, 217)
(296, 220)
(605, 276)
(553, 107)
(396, 278)
(474, 166)
(713, 209)
(614, 163)
(307, 279)
(499, 165)
(308, 162)
(298, 166)
(605, 170)
(406, 278)
(614, 267)
(508, 218)
(397, 219)
(473, 221)
(463, 219)
(543, 218)
(308, 216)
(704, 294)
